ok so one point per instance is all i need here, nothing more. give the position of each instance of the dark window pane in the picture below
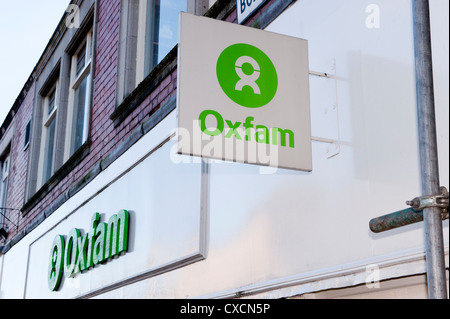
(51, 102)
(49, 149)
(81, 60)
(27, 134)
(78, 115)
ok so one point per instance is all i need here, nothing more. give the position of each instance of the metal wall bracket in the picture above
(441, 201)
(335, 142)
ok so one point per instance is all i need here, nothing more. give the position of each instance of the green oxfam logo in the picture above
(247, 75)
(78, 253)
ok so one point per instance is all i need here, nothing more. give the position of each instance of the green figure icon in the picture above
(247, 75)
(248, 79)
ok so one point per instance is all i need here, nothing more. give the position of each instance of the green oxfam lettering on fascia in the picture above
(249, 78)
(80, 253)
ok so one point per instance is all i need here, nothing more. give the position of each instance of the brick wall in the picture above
(19, 158)
(103, 134)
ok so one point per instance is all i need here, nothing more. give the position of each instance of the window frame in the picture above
(4, 185)
(49, 117)
(149, 34)
(56, 63)
(131, 62)
(27, 135)
(76, 80)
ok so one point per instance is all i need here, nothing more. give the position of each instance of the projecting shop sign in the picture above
(243, 94)
(245, 8)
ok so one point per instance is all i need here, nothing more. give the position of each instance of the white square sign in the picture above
(243, 94)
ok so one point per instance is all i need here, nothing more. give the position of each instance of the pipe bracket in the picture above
(441, 201)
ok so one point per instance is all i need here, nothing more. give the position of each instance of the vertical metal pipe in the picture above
(434, 242)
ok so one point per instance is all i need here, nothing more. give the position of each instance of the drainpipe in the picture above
(434, 242)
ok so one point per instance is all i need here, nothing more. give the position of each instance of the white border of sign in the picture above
(213, 123)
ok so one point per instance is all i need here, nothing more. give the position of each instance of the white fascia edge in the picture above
(395, 265)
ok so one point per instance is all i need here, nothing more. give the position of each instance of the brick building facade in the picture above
(113, 126)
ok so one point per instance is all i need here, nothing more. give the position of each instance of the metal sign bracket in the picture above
(335, 142)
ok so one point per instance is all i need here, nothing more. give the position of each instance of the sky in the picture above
(25, 29)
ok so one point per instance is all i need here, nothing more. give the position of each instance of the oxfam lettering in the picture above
(247, 75)
(79, 253)
(251, 132)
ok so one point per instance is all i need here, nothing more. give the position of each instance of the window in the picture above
(157, 33)
(148, 32)
(3, 187)
(27, 135)
(61, 113)
(79, 97)
(48, 133)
